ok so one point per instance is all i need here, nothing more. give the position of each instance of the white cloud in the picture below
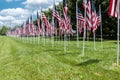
(6, 18)
(35, 1)
(39, 3)
(14, 12)
(1, 23)
(14, 15)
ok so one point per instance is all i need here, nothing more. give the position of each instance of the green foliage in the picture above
(4, 30)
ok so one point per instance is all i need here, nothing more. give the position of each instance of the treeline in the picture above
(3, 30)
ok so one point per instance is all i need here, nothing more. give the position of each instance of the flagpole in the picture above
(65, 24)
(53, 20)
(77, 24)
(60, 36)
(34, 35)
(38, 33)
(118, 31)
(43, 32)
(87, 33)
(65, 40)
(69, 30)
(55, 29)
(94, 31)
(43, 29)
(101, 26)
(40, 30)
(56, 35)
(59, 31)
(38, 37)
(31, 37)
(94, 36)
(84, 35)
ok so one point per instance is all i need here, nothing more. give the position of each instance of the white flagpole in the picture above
(69, 29)
(60, 36)
(38, 38)
(43, 29)
(87, 33)
(68, 36)
(84, 35)
(118, 32)
(39, 32)
(77, 24)
(94, 41)
(52, 32)
(56, 36)
(27, 40)
(34, 35)
(44, 33)
(101, 26)
(94, 36)
(30, 30)
(64, 40)
(53, 20)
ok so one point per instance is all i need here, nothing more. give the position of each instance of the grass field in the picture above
(23, 60)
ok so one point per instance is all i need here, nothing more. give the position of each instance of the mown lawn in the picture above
(23, 60)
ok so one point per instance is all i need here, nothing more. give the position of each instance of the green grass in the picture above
(23, 60)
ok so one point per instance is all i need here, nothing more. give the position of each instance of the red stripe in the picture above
(112, 8)
(88, 15)
(81, 22)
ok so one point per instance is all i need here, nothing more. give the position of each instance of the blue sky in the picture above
(11, 4)
(17, 11)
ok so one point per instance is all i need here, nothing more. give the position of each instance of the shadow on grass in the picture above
(116, 42)
(67, 53)
(63, 54)
(89, 62)
(54, 50)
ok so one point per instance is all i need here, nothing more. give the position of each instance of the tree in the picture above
(4, 30)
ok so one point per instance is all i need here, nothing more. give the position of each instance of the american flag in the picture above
(113, 8)
(56, 14)
(18, 31)
(88, 15)
(47, 24)
(32, 26)
(38, 23)
(22, 29)
(94, 16)
(81, 21)
(28, 29)
(67, 23)
(60, 21)
(99, 18)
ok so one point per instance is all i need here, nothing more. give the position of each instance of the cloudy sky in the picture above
(14, 12)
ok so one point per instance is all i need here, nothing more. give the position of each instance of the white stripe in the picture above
(113, 7)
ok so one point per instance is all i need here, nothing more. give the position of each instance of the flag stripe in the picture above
(113, 8)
